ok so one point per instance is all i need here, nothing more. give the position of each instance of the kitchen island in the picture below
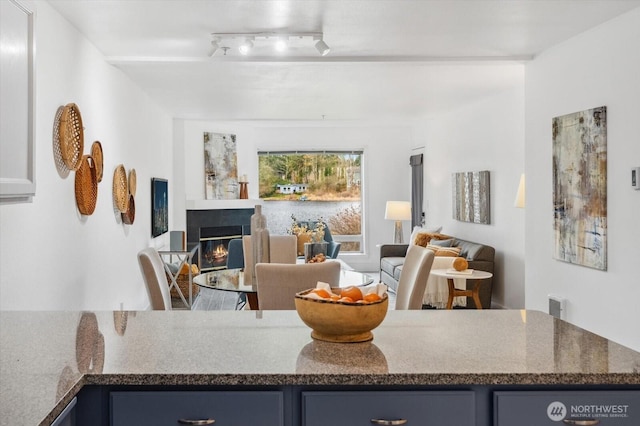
(48, 358)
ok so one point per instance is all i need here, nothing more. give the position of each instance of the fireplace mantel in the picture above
(221, 204)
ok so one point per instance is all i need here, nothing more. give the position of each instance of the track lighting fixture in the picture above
(246, 43)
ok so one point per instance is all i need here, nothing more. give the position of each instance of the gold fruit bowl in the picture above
(341, 322)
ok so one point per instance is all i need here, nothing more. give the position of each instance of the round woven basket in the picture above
(132, 182)
(96, 154)
(130, 215)
(71, 135)
(120, 189)
(86, 186)
(62, 168)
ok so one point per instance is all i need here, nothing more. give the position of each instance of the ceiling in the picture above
(389, 59)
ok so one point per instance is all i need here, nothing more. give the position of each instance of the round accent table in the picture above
(455, 292)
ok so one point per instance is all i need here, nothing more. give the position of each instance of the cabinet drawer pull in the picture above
(196, 422)
(388, 422)
(581, 422)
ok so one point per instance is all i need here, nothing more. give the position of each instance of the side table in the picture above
(185, 258)
(455, 292)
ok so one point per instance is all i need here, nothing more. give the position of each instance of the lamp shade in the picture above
(520, 195)
(398, 210)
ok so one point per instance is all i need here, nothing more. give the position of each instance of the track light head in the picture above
(322, 47)
(246, 46)
(214, 47)
(281, 45)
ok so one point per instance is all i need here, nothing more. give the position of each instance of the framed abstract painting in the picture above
(580, 188)
(220, 167)
(471, 201)
(159, 206)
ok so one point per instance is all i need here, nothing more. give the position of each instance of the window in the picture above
(312, 186)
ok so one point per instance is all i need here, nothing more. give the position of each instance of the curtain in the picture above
(417, 189)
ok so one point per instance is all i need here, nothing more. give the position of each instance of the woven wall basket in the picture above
(130, 215)
(120, 189)
(71, 135)
(133, 182)
(96, 154)
(86, 186)
(62, 168)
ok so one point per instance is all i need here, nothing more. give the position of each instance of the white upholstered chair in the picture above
(414, 276)
(278, 283)
(282, 249)
(152, 268)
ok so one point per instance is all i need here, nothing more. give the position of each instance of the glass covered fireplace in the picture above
(212, 229)
(214, 246)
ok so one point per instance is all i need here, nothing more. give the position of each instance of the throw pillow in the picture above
(444, 251)
(423, 238)
(442, 243)
(429, 230)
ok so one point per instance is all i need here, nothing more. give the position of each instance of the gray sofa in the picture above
(479, 256)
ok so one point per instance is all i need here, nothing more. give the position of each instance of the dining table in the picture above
(234, 280)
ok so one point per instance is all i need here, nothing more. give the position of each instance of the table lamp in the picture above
(398, 211)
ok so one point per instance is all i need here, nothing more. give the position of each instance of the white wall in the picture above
(486, 135)
(51, 257)
(599, 67)
(387, 173)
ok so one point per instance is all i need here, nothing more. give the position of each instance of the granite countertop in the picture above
(46, 357)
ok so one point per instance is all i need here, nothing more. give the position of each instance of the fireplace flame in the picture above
(220, 251)
(217, 254)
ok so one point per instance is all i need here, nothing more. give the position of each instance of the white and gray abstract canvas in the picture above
(471, 197)
(580, 187)
(220, 166)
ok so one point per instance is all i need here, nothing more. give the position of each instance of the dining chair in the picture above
(282, 249)
(235, 260)
(278, 283)
(152, 268)
(235, 254)
(413, 278)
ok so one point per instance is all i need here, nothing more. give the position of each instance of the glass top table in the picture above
(233, 280)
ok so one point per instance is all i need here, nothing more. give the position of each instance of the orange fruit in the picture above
(371, 297)
(352, 292)
(460, 264)
(334, 297)
(321, 293)
(345, 299)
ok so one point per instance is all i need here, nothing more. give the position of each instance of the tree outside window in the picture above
(312, 186)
